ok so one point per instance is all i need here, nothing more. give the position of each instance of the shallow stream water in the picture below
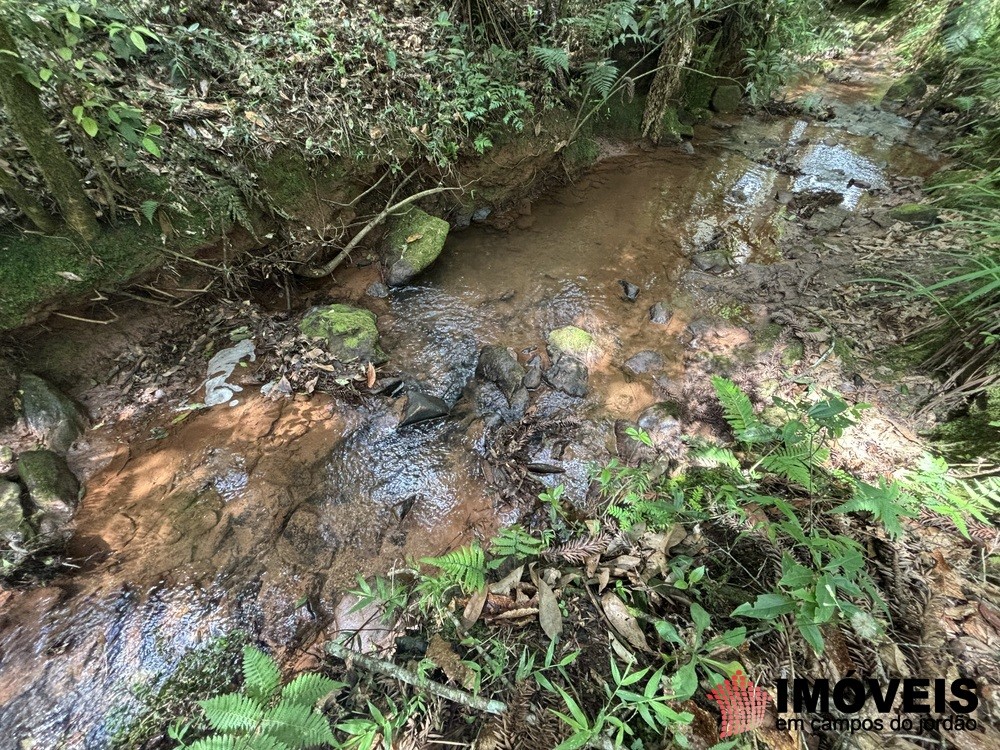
(258, 517)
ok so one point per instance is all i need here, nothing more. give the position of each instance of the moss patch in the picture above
(620, 118)
(349, 332)
(917, 214)
(570, 340)
(414, 241)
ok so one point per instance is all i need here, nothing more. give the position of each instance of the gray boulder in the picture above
(500, 367)
(421, 408)
(53, 417)
(643, 362)
(53, 492)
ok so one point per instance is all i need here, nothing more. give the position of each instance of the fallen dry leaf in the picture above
(623, 622)
(474, 608)
(549, 614)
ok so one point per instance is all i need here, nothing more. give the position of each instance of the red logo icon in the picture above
(742, 705)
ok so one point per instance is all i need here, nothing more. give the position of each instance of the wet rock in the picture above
(8, 389)
(663, 425)
(712, 261)
(827, 220)
(687, 148)
(643, 362)
(378, 290)
(481, 214)
(726, 98)
(533, 375)
(11, 512)
(569, 375)
(909, 89)
(53, 492)
(51, 415)
(349, 332)
(499, 366)
(420, 408)
(660, 314)
(303, 542)
(630, 290)
(918, 214)
(414, 241)
(570, 340)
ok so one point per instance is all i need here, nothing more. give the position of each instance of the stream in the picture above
(258, 517)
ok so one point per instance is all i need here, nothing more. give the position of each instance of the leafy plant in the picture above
(264, 716)
(464, 567)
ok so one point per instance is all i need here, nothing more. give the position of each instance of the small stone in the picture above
(643, 362)
(917, 214)
(532, 377)
(500, 367)
(569, 375)
(52, 416)
(662, 423)
(6, 460)
(53, 491)
(11, 512)
(660, 314)
(378, 290)
(420, 408)
(711, 261)
(687, 148)
(630, 290)
(481, 214)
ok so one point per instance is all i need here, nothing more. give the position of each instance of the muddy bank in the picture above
(257, 517)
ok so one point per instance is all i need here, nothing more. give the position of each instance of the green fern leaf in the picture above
(885, 503)
(218, 742)
(263, 742)
(601, 77)
(261, 674)
(464, 567)
(552, 58)
(739, 413)
(232, 712)
(297, 726)
(307, 689)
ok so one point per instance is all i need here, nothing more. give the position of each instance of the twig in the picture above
(404, 675)
(327, 269)
(87, 320)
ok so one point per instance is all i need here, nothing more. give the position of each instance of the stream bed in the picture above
(256, 518)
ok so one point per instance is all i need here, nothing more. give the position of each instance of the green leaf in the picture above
(73, 18)
(150, 145)
(811, 632)
(136, 38)
(65, 53)
(685, 681)
(232, 712)
(767, 606)
(307, 689)
(297, 725)
(45, 74)
(261, 674)
(702, 620)
(89, 126)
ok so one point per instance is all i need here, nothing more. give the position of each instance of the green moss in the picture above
(844, 352)
(792, 353)
(287, 180)
(350, 333)
(202, 672)
(620, 118)
(570, 340)
(915, 213)
(414, 241)
(766, 336)
(581, 153)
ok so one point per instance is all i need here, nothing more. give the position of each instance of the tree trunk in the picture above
(675, 54)
(29, 204)
(24, 109)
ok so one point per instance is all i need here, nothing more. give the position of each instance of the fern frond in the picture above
(601, 77)
(261, 674)
(464, 567)
(578, 551)
(739, 413)
(515, 542)
(232, 712)
(885, 502)
(712, 456)
(218, 742)
(297, 726)
(553, 59)
(307, 689)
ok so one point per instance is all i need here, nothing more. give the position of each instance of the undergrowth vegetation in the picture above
(571, 631)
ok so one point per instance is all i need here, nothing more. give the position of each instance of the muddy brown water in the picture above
(256, 518)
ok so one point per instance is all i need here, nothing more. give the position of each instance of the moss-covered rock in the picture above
(8, 389)
(727, 97)
(908, 89)
(349, 333)
(51, 415)
(11, 511)
(570, 340)
(674, 130)
(917, 214)
(53, 491)
(414, 241)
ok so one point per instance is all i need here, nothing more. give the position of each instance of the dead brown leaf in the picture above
(623, 622)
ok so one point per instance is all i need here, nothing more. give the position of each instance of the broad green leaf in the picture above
(136, 38)
(89, 126)
(766, 607)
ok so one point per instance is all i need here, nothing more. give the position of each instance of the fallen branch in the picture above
(404, 675)
(328, 268)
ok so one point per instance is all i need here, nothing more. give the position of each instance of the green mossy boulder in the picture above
(11, 512)
(53, 491)
(917, 214)
(572, 341)
(349, 333)
(51, 415)
(8, 389)
(908, 89)
(726, 98)
(414, 241)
